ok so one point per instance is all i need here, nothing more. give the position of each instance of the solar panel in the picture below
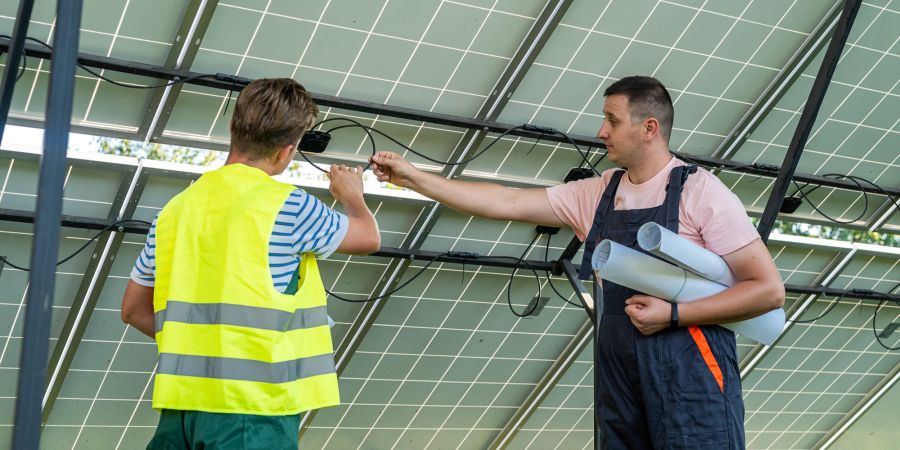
(443, 362)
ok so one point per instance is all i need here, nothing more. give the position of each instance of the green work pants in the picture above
(197, 430)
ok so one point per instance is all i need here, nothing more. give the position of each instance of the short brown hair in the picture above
(647, 97)
(271, 113)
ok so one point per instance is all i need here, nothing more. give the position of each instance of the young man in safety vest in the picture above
(666, 378)
(229, 287)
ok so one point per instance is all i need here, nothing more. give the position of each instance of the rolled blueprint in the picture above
(671, 247)
(643, 273)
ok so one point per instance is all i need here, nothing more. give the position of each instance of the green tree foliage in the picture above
(837, 234)
(159, 152)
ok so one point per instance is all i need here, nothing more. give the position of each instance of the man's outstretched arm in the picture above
(489, 200)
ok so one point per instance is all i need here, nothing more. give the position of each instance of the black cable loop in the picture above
(547, 272)
(827, 310)
(881, 303)
(387, 294)
(512, 275)
(86, 244)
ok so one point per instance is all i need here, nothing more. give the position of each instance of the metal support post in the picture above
(808, 118)
(45, 247)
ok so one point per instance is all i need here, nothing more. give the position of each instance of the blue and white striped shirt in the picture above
(304, 224)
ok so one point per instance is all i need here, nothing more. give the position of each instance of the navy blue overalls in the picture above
(676, 389)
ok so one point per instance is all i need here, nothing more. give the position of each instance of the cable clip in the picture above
(234, 79)
(539, 129)
(463, 255)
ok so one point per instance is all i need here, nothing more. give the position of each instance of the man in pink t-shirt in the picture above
(666, 378)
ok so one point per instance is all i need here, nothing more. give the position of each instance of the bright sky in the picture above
(18, 137)
(32, 139)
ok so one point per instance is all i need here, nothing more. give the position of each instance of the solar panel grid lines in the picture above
(406, 67)
(40, 64)
(240, 65)
(494, 399)
(549, 91)
(409, 60)
(380, 359)
(574, 428)
(824, 121)
(607, 76)
(740, 71)
(554, 421)
(876, 179)
(109, 51)
(749, 390)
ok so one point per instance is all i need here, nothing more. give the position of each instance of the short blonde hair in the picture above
(271, 113)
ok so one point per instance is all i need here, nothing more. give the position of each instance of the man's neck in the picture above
(649, 166)
(238, 158)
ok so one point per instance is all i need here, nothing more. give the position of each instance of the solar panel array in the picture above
(443, 363)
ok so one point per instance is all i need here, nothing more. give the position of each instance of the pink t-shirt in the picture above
(709, 214)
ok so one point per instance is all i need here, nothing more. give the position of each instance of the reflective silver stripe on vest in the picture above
(240, 315)
(244, 369)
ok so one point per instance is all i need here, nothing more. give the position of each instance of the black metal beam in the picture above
(808, 118)
(16, 50)
(164, 73)
(45, 247)
(104, 254)
(586, 299)
(194, 24)
(90, 223)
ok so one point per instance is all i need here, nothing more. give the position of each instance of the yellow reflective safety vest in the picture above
(228, 341)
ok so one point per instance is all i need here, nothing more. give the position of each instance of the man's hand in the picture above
(391, 167)
(648, 314)
(346, 183)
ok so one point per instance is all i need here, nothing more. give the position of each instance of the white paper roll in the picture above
(667, 245)
(643, 273)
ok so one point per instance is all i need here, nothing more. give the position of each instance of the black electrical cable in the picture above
(512, 275)
(881, 303)
(584, 156)
(547, 272)
(436, 161)
(387, 294)
(602, 156)
(117, 83)
(369, 130)
(879, 188)
(535, 143)
(86, 244)
(816, 208)
(24, 59)
(825, 313)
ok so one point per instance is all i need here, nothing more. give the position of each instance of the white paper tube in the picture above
(643, 273)
(667, 245)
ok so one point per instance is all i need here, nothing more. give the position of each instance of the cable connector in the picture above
(234, 79)
(790, 205)
(463, 255)
(543, 229)
(578, 173)
(314, 141)
(770, 167)
(539, 129)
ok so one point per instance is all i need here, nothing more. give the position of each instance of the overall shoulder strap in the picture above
(677, 178)
(604, 208)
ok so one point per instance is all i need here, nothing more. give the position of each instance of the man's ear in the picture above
(284, 153)
(651, 128)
